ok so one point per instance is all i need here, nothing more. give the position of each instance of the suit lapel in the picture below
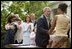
(45, 21)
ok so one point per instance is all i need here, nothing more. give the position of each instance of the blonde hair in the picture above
(45, 8)
(32, 14)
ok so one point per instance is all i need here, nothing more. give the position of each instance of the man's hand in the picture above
(51, 32)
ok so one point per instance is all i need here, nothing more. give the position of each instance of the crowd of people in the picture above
(43, 33)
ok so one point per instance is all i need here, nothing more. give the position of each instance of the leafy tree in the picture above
(22, 8)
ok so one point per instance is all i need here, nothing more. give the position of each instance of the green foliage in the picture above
(20, 7)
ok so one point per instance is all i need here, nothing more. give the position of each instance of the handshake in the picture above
(51, 32)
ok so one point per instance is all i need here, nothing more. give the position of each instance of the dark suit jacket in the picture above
(9, 38)
(42, 37)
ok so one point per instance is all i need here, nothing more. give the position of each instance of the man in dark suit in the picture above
(42, 32)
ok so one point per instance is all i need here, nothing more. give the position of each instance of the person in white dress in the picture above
(28, 28)
(33, 20)
(19, 33)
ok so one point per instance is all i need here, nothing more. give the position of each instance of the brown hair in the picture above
(28, 17)
(9, 20)
(17, 19)
(63, 7)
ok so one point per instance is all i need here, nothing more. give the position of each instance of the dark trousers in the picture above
(9, 37)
